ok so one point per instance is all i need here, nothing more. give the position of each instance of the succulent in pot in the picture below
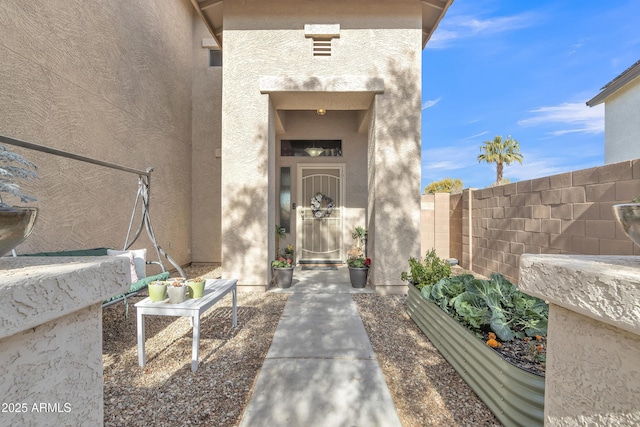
(196, 287)
(157, 290)
(177, 290)
(16, 223)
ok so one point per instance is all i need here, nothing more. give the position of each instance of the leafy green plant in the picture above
(427, 272)
(359, 262)
(360, 236)
(494, 304)
(447, 185)
(282, 262)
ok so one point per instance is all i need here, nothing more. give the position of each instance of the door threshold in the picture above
(318, 263)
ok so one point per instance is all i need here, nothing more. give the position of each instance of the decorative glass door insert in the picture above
(320, 211)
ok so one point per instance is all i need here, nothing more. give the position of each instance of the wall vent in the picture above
(321, 47)
(322, 34)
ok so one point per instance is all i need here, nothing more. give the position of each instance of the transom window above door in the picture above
(311, 147)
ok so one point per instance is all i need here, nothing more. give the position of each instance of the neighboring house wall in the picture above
(435, 218)
(568, 213)
(111, 81)
(266, 40)
(622, 124)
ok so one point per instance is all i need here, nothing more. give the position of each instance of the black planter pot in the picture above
(15, 226)
(358, 277)
(283, 277)
(515, 396)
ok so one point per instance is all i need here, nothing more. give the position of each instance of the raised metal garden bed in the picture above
(514, 395)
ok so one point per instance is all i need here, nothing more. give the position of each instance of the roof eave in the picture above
(428, 28)
(614, 85)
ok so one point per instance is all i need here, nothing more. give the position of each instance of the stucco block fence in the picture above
(51, 337)
(593, 344)
(488, 230)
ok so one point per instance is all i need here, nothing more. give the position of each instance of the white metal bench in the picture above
(214, 290)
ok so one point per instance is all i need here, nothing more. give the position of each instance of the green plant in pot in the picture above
(177, 291)
(288, 252)
(628, 216)
(196, 287)
(359, 234)
(16, 223)
(280, 234)
(282, 272)
(358, 271)
(157, 290)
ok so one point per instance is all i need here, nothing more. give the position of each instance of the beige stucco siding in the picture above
(622, 124)
(108, 80)
(206, 152)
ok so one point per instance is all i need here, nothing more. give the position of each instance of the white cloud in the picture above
(464, 26)
(575, 47)
(478, 135)
(430, 103)
(574, 117)
(449, 158)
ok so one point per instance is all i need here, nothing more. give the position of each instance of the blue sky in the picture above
(525, 69)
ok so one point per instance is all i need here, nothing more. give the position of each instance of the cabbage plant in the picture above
(490, 305)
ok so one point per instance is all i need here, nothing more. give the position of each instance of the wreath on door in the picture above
(316, 206)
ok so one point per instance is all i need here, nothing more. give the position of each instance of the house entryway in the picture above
(320, 211)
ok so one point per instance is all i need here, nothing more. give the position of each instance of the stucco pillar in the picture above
(593, 343)
(394, 184)
(51, 337)
(247, 190)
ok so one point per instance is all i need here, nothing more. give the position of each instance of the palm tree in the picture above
(501, 152)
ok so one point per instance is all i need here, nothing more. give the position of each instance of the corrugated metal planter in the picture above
(514, 395)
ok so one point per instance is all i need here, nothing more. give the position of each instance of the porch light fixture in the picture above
(314, 151)
(321, 111)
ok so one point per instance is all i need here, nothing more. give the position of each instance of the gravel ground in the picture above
(425, 388)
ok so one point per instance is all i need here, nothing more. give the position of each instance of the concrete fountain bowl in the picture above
(628, 215)
(15, 226)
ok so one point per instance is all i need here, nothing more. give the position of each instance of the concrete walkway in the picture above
(321, 370)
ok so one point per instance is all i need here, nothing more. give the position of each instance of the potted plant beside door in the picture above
(358, 270)
(16, 223)
(282, 272)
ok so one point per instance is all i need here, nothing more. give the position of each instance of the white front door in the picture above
(320, 210)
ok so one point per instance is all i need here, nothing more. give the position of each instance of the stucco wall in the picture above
(377, 39)
(51, 337)
(435, 221)
(569, 213)
(622, 124)
(108, 80)
(455, 226)
(206, 154)
(592, 373)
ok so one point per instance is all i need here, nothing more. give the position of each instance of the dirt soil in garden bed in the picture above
(525, 354)
(522, 353)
